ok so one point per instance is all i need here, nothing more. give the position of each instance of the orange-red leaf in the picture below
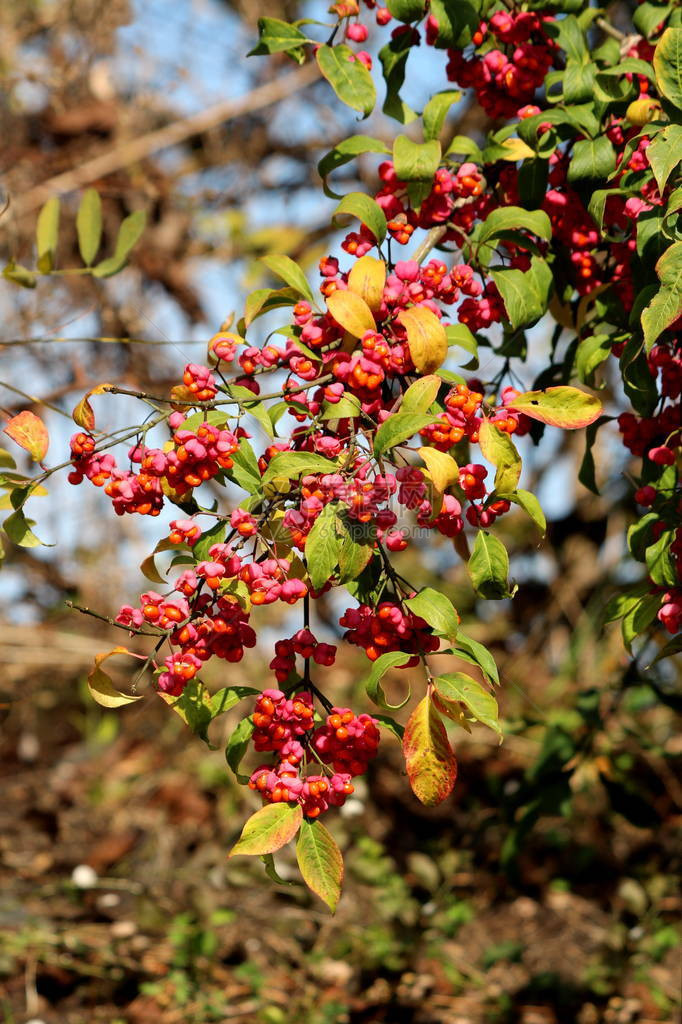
(30, 433)
(429, 758)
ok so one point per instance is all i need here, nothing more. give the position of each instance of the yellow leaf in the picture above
(518, 150)
(442, 468)
(101, 687)
(351, 312)
(640, 112)
(426, 338)
(429, 758)
(367, 279)
(83, 414)
(181, 396)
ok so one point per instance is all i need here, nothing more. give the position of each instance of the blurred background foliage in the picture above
(545, 890)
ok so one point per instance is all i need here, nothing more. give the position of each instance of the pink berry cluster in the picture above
(285, 724)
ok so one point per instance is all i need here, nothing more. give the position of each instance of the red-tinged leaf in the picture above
(101, 687)
(268, 829)
(561, 406)
(83, 414)
(30, 433)
(320, 861)
(429, 758)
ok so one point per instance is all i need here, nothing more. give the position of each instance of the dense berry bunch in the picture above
(375, 437)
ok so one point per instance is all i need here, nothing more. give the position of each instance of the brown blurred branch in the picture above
(137, 149)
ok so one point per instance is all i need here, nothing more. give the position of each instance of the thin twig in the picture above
(609, 29)
(430, 242)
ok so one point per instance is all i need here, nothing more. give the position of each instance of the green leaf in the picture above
(666, 305)
(578, 82)
(277, 36)
(347, 408)
(506, 218)
(320, 862)
(322, 546)
(216, 535)
(355, 549)
(421, 395)
(668, 65)
(592, 158)
(624, 601)
(348, 77)
(129, 234)
(271, 870)
(429, 758)
(561, 406)
(18, 529)
(639, 618)
(47, 235)
(436, 609)
(525, 293)
(640, 534)
(262, 300)
(532, 181)
(284, 267)
(660, 561)
(568, 33)
(665, 153)
(194, 707)
(399, 428)
(288, 465)
(489, 567)
(89, 225)
(245, 471)
(407, 10)
(416, 161)
(367, 211)
(590, 354)
(22, 276)
(393, 59)
(478, 654)
(530, 504)
(226, 698)
(237, 746)
(462, 145)
(346, 151)
(460, 687)
(499, 449)
(648, 16)
(436, 111)
(372, 681)
(6, 460)
(269, 829)
(390, 723)
(457, 21)
(460, 335)
(597, 204)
